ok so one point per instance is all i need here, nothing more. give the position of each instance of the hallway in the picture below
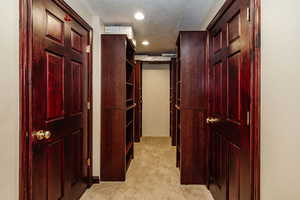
(152, 175)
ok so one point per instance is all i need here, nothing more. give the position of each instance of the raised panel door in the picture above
(58, 124)
(229, 86)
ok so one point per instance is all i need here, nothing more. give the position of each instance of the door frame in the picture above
(255, 88)
(25, 62)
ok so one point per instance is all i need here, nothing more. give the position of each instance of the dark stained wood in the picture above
(173, 101)
(191, 102)
(48, 102)
(177, 104)
(55, 85)
(118, 106)
(76, 39)
(255, 6)
(230, 96)
(95, 180)
(25, 47)
(140, 116)
(55, 28)
(138, 100)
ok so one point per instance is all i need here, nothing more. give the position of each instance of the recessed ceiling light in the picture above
(145, 43)
(139, 16)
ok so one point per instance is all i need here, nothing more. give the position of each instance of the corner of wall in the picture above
(212, 13)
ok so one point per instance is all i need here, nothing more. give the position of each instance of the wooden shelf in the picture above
(111, 94)
(128, 147)
(131, 107)
(129, 84)
(129, 123)
(131, 99)
(130, 63)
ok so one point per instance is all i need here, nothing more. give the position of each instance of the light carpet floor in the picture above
(152, 175)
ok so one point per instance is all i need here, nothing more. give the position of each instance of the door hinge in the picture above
(248, 15)
(248, 118)
(89, 162)
(88, 105)
(88, 49)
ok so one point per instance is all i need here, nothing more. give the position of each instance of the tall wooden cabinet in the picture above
(191, 108)
(173, 101)
(118, 106)
(139, 101)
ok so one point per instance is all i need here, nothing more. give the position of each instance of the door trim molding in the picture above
(255, 6)
(25, 62)
(255, 109)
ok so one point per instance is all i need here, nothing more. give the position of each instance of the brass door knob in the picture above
(211, 120)
(41, 135)
(48, 135)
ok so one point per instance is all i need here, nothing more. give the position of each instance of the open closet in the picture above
(122, 106)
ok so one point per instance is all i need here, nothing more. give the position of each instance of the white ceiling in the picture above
(163, 19)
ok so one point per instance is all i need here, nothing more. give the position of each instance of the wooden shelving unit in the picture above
(177, 104)
(118, 106)
(130, 118)
(191, 136)
(173, 89)
(139, 101)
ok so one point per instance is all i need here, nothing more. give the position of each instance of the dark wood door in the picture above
(229, 86)
(58, 99)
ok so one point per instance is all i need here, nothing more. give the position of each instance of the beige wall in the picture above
(156, 104)
(280, 135)
(9, 100)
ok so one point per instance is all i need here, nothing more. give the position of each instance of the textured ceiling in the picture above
(163, 19)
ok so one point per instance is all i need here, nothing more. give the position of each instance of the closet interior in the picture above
(122, 106)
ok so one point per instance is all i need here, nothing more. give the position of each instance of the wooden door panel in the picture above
(55, 170)
(234, 172)
(76, 90)
(55, 85)
(59, 90)
(234, 80)
(76, 40)
(218, 77)
(219, 168)
(217, 41)
(234, 28)
(54, 27)
(76, 157)
(229, 102)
